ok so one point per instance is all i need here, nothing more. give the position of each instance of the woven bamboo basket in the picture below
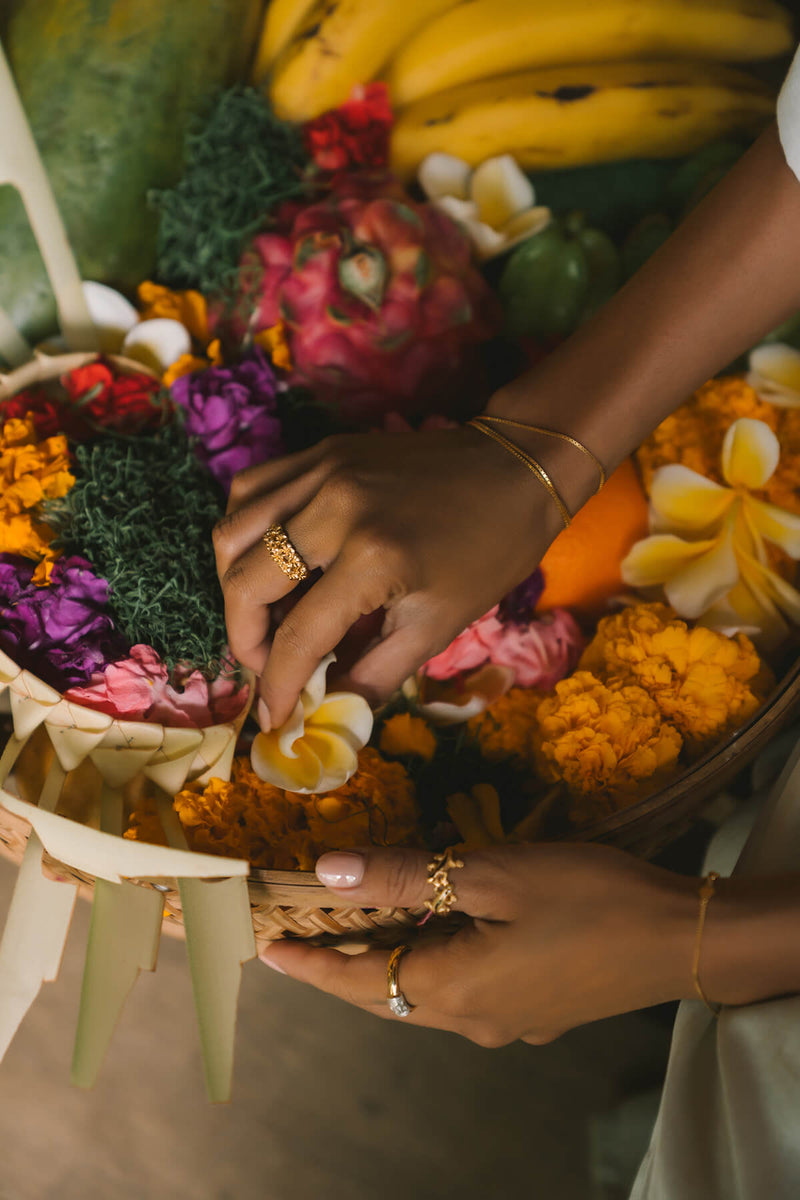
(296, 905)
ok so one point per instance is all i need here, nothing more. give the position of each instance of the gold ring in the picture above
(284, 554)
(396, 1000)
(444, 898)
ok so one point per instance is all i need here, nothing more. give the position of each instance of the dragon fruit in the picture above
(382, 305)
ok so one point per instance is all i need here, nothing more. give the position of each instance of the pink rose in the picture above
(539, 654)
(139, 689)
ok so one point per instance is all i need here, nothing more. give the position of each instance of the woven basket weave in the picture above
(295, 904)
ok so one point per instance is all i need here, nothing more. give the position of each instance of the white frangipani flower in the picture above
(156, 343)
(317, 749)
(495, 203)
(775, 374)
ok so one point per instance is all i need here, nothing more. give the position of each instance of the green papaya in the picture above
(558, 278)
(110, 88)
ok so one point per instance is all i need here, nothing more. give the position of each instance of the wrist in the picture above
(751, 942)
(572, 467)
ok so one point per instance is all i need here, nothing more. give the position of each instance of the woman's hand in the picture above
(560, 935)
(427, 530)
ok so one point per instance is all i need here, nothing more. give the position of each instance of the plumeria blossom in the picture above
(709, 543)
(775, 374)
(317, 749)
(156, 342)
(495, 203)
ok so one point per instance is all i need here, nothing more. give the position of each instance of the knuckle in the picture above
(488, 1036)
(289, 637)
(224, 530)
(541, 1038)
(234, 581)
(400, 873)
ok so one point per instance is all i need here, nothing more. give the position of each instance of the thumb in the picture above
(399, 878)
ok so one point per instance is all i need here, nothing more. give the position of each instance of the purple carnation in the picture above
(61, 632)
(231, 415)
(519, 605)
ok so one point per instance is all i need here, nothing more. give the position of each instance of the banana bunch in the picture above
(315, 52)
(556, 83)
(487, 38)
(568, 116)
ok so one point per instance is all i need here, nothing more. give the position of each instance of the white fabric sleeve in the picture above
(789, 116)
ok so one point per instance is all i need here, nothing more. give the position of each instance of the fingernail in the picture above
(264, 719)
(269, 963)
(340, 870)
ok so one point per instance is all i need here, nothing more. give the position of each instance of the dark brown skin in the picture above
(435, 528)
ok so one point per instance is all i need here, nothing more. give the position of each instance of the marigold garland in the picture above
(705, 684)
(694, 433)
(31, 472)
(280, 830)
(607, 742)
(504, 732)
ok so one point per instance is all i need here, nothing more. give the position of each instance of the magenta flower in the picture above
(140, 688)
(540, 653)
(61, 632)
(231, 415)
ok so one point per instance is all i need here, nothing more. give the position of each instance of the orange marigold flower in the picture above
(30, 472)
(608, 744)
(403, 734)
(704, 683)
(504, 731)
(247, 818)
(273, 342)
(188, 307)
(694, 433)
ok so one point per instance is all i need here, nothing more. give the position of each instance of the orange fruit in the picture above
(582, 567)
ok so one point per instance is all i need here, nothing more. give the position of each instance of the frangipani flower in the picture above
(495, 203)
(156, 342)
(775, 374)
(317, 749)
(708, 546)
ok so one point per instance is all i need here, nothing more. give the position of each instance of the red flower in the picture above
(354, 135)
(49, 416)
(127, 403)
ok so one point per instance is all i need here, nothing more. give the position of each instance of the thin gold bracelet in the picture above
(564, 437)
(706, 893)
(527, 460)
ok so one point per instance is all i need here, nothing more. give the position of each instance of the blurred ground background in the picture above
(329, 1102)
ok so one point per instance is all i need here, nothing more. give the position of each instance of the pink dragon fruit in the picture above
(382, 304)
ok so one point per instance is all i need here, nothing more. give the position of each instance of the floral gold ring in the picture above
(444, 898)
(284, 554)
(396, 1000)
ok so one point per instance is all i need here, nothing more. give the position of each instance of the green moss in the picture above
(142, 511)
(238, 167)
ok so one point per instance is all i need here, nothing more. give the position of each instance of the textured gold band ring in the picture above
(283, 553)
(396, 1000)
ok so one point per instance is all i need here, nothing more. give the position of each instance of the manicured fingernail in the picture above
(267, 961)
(340, 870)
(264, 719)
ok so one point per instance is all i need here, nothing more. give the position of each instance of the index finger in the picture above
(394, 877)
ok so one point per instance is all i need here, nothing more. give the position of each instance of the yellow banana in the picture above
(568, 116)
(281, 21)
(485, 38)
(340, 43)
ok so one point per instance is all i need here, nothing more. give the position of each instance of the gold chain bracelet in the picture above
(527, 460)
(563, 437)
